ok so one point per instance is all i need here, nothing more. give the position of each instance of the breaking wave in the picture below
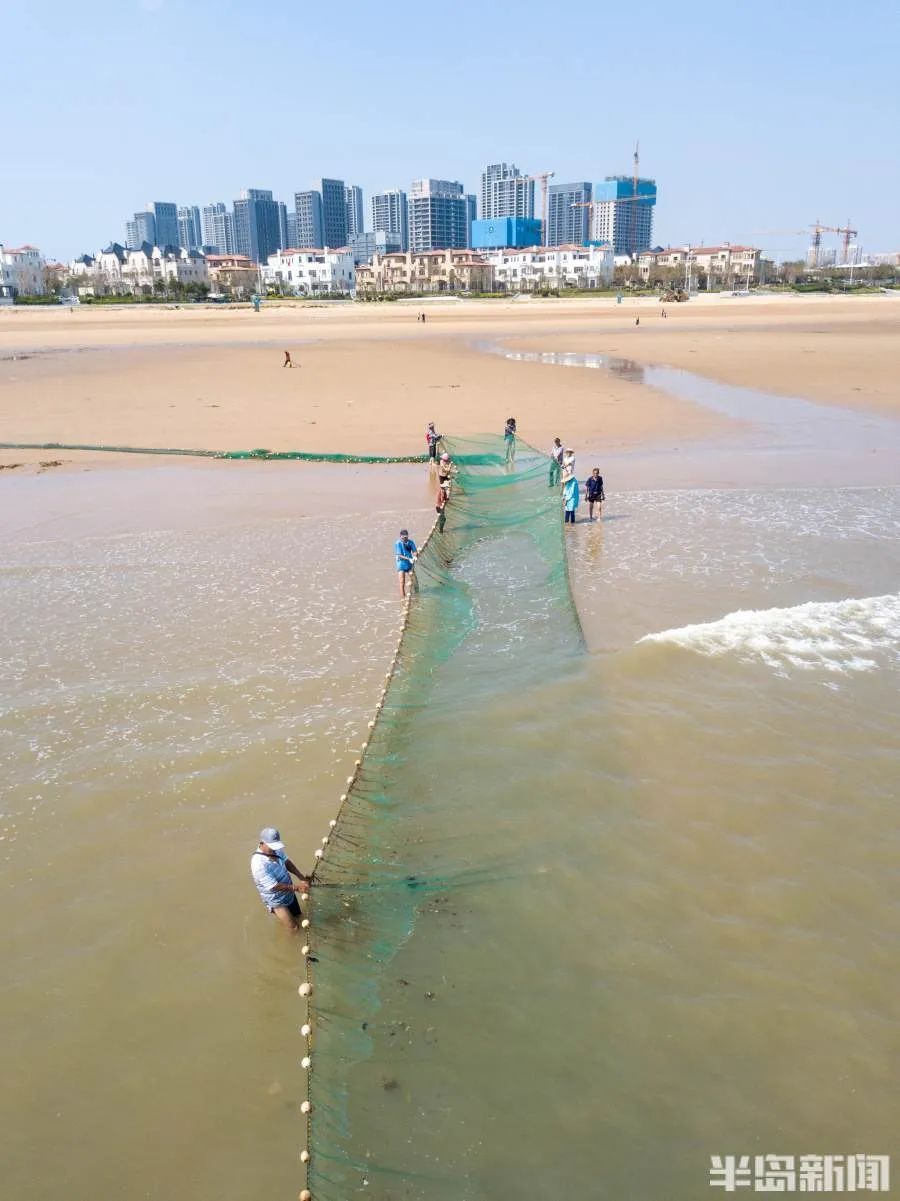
(840, 637)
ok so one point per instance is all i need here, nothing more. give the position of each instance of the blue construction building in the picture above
(498, 233)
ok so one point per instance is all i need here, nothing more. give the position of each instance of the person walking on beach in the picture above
(288, 361)
(556, 458)
(406, 552)
(509, 437)
(272, 870)
(570, 497)
(593, 492)
(432, 438)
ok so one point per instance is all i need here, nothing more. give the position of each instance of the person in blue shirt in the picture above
(406, 551)
(272, 870)
(593, 490)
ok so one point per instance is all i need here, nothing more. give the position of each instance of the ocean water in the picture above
(682, 939)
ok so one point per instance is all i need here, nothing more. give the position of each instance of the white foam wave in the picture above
(838, 637)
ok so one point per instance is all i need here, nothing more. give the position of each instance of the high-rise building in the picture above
(258, 228)
(471, 215)
(218, 228)
(505, 192)
(190, 235)
(364, 246)
(504, 233)
(166, 216)
(334, 212)
(390, 215)
(353, 202)
(141, 229)
(567, 216)
(282, 225)
(623, 216)
(308, 219)
(291, 228)
(439, 215)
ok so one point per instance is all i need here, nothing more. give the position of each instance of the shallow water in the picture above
(691, 945)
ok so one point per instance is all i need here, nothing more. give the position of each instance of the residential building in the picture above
(448, 270)
(727, 264)
(439, 215)
(568, 222)
(190, 234)
(218, 228)
(110, 263)
(334, 212)
(165, 215)
(149, 266)
(365, 246)
(471, 216)
(505, 192)
(308, 216)
(622, 215)
(234, 274)
(257, 224)
(306, 272)
(529, 268)
(22, 269)
(390, 215)
(505, 231)
(141, 229)
(291, 229)
(353, 203)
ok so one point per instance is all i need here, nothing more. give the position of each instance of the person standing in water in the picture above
(509, 437)
(272, 870)
(556, 458)
(570, 497)
(432, 438)
(406, 552)
(593, 492)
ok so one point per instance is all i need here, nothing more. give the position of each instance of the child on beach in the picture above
(406, 552)
(593, 491)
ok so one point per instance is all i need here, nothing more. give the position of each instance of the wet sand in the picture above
(370, 376)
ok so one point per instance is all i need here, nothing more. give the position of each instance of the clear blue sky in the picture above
(751, 116)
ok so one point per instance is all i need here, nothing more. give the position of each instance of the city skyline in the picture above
(735, 155)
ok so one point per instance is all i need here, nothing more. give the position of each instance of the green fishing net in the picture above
(421, 902)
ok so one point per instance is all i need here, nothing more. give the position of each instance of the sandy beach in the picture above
(368, 377)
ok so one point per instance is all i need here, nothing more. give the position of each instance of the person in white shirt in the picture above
(271, 870)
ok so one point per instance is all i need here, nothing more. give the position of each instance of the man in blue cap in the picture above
(271, 870)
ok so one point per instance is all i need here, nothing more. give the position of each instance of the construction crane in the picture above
(819, 229)
(542, 177)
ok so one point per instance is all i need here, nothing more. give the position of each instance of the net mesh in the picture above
(302, 456)
(428, 847)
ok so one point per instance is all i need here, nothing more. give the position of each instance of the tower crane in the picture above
(819, 229)
(542, 177)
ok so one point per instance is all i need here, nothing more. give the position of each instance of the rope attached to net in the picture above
(260, 453)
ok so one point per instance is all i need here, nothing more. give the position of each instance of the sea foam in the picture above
(838, 637)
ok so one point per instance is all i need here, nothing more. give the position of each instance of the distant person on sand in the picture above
(556, 458)
(509, 437)
(406, 552)
(570, 497)
(288, 361)
(637, 320)
(432, 438)
(272, 870)
(593, 492)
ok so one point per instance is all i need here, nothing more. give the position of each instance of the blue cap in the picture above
(271, 838)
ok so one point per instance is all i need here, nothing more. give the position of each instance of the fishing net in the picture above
(302, 456)
(422, 894)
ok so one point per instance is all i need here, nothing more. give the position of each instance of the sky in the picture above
(755, 119)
